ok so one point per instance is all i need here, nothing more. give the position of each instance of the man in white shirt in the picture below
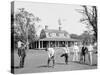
(90, 52)
(51, 54)
(66, 49)
(19, 44)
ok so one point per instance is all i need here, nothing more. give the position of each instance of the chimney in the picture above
(59, 28)
(46, 27)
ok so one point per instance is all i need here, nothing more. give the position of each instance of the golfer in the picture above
(66, 53)
(51, 55)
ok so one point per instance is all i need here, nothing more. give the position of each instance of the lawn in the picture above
(36, 61)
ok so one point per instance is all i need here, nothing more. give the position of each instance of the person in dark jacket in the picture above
(22, 54)
(66, 57)
(83, 53)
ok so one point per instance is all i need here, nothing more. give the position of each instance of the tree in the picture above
(74, 36)
(90, 19)
(86, 37)
(24, 25)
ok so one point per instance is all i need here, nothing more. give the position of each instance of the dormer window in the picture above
(54, 34)
(61, 34)
(57, 34)
(50, 35)
(65, 35)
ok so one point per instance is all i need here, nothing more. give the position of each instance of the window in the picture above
(61, 34)
(57, 34)
(49, 34)
(66, 35)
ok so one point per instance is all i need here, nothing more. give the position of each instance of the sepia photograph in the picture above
(53, 37)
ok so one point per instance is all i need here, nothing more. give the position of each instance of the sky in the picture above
(50, 13)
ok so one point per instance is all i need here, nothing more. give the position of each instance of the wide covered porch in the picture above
(52, 42)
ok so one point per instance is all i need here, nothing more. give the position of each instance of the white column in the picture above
(36, 44)
(55, 43)
(39, 44)
(49, 43)
(42, 43)
(66, 42)
(58, 43)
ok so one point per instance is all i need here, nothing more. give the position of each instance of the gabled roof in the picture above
(55, 38)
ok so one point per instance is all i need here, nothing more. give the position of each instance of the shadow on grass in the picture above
(61, 63)
(94, 65)
(44, 66)
(85, 63)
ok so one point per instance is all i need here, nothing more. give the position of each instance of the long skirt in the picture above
(76, 56)
(90, 57)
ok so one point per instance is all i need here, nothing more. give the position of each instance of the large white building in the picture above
(52, 38)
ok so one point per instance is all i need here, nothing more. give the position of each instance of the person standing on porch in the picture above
(76, 52)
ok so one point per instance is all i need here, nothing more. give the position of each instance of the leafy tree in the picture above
(24, 25)
(86, 37)
(74, 36)
(90, 19)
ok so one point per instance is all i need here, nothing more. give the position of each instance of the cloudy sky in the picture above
(49, 14)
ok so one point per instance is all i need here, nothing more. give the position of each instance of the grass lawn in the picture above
(36, 61)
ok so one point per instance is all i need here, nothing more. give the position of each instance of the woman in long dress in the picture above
(76, 53)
